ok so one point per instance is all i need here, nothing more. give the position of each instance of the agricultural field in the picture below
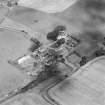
(85, 20)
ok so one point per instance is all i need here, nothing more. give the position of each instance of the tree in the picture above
(55, 33)
(36, 44)
(84, 60)
(100, 52)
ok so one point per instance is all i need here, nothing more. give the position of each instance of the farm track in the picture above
(45, 92)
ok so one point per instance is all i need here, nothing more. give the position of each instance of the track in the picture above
(45, 91)
(22, 90)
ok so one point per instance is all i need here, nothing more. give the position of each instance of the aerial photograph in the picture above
(52, 52)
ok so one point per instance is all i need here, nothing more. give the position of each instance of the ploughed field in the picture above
(86, 87)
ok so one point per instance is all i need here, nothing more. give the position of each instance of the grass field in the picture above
(12, 45)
